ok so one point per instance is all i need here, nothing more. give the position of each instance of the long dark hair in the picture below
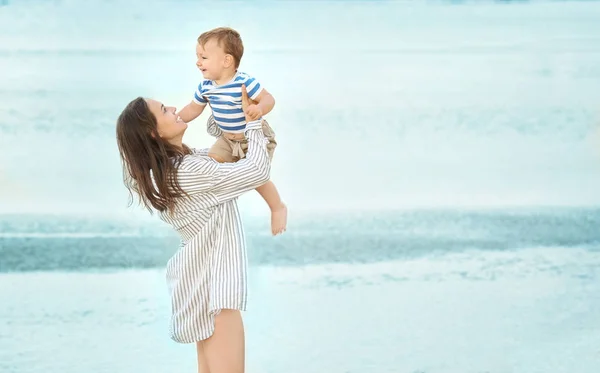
(146, 157)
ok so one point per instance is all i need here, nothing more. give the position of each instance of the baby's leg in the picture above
(268, 190)
(269, 193)
(221, 151)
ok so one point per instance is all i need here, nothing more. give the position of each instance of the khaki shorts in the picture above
(233, 150)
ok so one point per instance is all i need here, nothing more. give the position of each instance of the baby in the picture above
(219, 52)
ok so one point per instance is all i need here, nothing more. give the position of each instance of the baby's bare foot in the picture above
(279, 220)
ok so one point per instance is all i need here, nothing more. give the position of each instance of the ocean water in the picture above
(441, 162)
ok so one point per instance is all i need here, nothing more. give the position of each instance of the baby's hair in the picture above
(228, 39)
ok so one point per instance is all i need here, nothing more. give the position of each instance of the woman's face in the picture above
(170, 127)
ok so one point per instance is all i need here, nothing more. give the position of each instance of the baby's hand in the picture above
(253, 112)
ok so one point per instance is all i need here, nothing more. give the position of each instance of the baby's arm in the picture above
(191, 111)
(264, 104)
(265, 101)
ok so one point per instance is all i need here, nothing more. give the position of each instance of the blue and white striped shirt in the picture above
(226, 100)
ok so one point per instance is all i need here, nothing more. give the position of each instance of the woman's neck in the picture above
(178, 142)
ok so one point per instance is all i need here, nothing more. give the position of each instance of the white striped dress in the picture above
(208, 272)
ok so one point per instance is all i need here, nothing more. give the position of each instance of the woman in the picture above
(196, 195)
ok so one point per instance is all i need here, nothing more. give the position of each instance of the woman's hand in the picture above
(249, 106)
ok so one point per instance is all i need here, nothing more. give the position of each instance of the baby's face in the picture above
(211, 60)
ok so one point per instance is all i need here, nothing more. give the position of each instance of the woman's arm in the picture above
(226, 181)
(212, 127)
(202, 151)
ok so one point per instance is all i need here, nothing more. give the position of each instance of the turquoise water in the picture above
(91, 244)
(440, 160)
